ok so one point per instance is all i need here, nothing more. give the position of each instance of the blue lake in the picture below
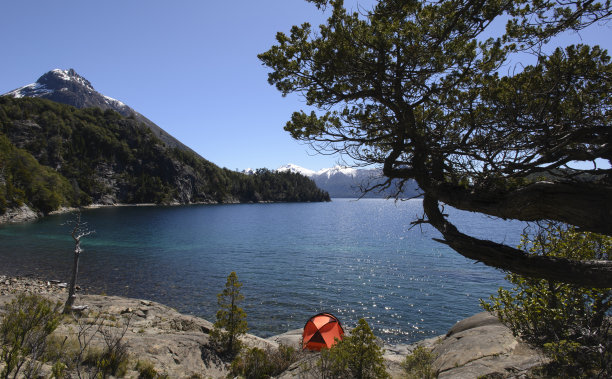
(351, 258)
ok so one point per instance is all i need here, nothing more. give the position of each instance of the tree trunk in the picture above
(584, 205)
(75, 270)
(592, 273)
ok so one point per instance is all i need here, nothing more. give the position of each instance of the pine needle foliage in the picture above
(231, 319)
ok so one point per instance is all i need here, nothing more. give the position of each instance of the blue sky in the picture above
(189, 66)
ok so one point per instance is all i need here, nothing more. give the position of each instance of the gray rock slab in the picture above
(291, 338)
(480, 345)
(479, 319)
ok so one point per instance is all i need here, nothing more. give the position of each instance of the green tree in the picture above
(568, 321)
(231, 319)
(428, 90)
(356, 356)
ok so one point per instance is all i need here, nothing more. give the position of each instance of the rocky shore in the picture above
(26, 214)
(178, 344)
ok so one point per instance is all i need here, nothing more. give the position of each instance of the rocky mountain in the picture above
(348, 182)
(54, 155)
(68, 87)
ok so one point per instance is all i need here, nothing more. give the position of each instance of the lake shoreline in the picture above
(478, 345)
(24, 213)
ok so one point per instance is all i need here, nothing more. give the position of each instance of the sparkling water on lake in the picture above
(351, 258)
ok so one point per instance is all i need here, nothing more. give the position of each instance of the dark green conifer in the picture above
(231, 319)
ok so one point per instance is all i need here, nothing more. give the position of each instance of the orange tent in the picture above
(321, 331)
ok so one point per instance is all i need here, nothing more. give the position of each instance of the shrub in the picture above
(356, 356)
(62, 350)
(24, 328)
(252, 364)
(58, 370)
(418, 365)
(567, 321)
(114, 358)
(146, 370)
(257, 363)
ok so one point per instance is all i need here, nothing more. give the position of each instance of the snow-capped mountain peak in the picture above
(68, 76)
(295, 169)
(343, 181)
(349, 171)
(68, 87)
(54, 80)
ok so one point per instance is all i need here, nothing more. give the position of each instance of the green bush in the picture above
(356, 356)
(146, 370)
(257, 363)
(252, 364)
(24, 328)
(108, 361)
(58, 370)
(418, 365)
(570, 323)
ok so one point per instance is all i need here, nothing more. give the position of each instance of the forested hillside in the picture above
(54, 155)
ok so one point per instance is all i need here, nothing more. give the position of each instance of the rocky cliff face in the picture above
(68, 87)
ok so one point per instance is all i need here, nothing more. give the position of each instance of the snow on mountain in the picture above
(71, 76)
(343, 170)
(342, 181)
(296, 169)
(54, 80)
(114, 102)
(327, 172)
(68, 87)
(31, 90)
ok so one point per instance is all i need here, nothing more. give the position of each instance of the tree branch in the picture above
(583, 273)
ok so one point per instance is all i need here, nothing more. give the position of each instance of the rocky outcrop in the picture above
(174, 343)
(19, 214)
(178, 344)
(481, 346)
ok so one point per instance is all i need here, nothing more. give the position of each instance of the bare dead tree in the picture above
(79, 231)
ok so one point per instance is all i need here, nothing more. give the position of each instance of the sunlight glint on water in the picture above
(352, 258)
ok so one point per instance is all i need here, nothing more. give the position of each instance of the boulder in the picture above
(481, 346)
(19, 214)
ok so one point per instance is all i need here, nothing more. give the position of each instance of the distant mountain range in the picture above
(64, 144)
(348, 182)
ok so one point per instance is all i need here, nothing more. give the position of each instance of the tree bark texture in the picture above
(73, 278)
